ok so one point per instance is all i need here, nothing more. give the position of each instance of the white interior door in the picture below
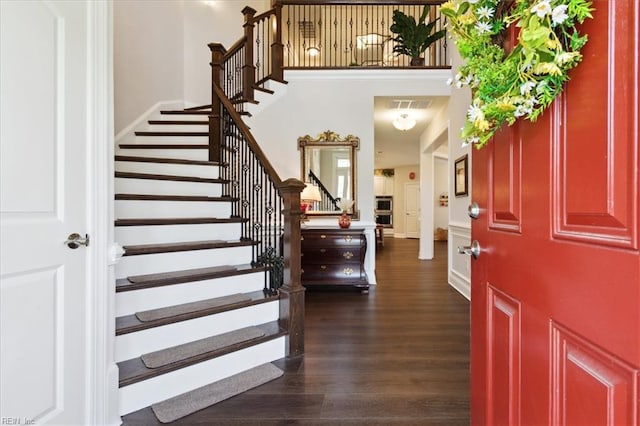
(412, 210)
(43, 283)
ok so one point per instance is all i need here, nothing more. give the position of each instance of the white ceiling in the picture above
(393, 147)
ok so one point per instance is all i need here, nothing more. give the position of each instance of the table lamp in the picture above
(308, 196)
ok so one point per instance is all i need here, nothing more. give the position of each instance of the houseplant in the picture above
(413, 37)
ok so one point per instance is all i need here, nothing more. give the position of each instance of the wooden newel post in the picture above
(248, 69)
(215, 119)
(292, 292)
(277, 48)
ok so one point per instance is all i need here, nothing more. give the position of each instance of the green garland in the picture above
(527, 80)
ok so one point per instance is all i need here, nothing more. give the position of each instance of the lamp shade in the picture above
(310, 193)
(403, 122)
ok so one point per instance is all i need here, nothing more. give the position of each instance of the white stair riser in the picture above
(130, 302)
(181, 154)
(156, 389)
(166, 187)
(182, 117)
(166, 262)
(132, 345)
(168, 209)
(158, 234)
(168, 169)
(178, 127)
(178, 140)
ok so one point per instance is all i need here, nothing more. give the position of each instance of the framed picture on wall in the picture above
(461, 178)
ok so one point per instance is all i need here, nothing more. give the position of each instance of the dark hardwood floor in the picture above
(398, 355)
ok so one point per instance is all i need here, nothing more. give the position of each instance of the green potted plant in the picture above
(413, 37)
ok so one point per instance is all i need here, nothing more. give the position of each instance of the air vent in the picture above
(409, 104)
(307, 29)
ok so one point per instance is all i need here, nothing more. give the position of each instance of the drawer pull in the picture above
(323, 250)
(323, 267)
(347, 271)
(323, 236)
(348, 238)
(347, 255)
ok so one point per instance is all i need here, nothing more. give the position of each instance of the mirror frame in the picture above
(332, 139)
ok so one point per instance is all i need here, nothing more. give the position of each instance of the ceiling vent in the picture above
(307, 29)
(409, 104)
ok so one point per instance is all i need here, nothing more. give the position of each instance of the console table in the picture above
(334, 257)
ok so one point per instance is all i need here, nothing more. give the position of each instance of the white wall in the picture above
(340, 101)
(217, 21)
(440, 186)
(459, 221)
(148, 56)
(433, 137)
(161, 52)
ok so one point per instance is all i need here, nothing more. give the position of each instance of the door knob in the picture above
(473, 249)
(75, 240)
(474, 210)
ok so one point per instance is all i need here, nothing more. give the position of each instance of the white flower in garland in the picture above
(559, 14)
(542, 8)
(483, 27)
(485, 12)
(524, 82)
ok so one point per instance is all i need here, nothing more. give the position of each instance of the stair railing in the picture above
(271, 209)
(327, 202)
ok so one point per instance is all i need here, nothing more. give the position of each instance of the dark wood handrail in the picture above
(291, 291)
(264, 15)
(251, 141)
(235, 47)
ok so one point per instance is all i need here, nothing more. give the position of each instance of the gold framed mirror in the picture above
(328, 162)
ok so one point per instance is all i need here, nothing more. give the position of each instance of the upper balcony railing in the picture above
(340, 34)
(320, 34)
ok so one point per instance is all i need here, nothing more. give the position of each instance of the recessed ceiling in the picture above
(394, 148)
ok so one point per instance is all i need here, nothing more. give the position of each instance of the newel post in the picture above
(248, 69)
(215, 119)
(277, 48)
(292, 292)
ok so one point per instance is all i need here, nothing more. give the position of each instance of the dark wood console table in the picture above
(334, 257)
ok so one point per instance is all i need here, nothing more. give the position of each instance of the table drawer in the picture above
(328, 272)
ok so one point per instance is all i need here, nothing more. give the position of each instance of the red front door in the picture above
(555, 293)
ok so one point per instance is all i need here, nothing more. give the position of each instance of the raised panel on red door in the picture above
(560, 248)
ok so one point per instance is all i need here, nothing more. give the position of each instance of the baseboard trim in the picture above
(460, 283)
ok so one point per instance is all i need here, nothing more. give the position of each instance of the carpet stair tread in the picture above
(135, 250)
(134, 370)
(180, 406)
(131, 323)
(139, 282)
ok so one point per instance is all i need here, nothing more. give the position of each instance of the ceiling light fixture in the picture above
(404, 122)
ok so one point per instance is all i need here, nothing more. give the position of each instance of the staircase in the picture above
(186, 284)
